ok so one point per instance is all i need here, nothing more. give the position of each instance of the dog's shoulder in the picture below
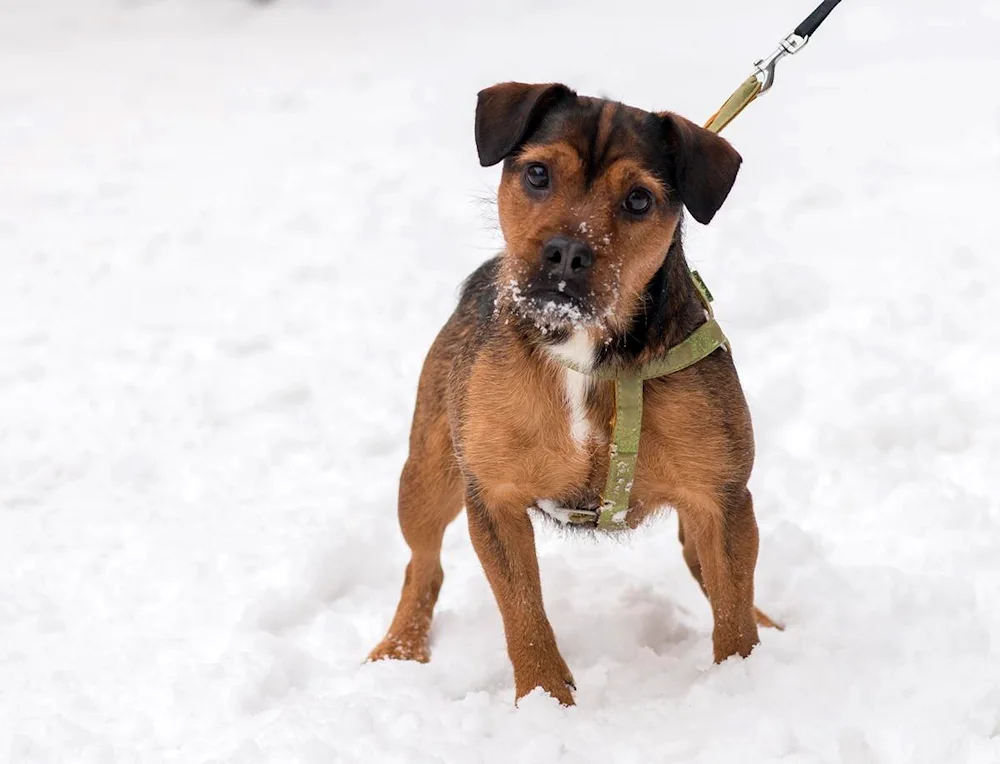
(479, 293)
(471, 324)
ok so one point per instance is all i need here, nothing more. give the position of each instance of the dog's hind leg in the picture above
(725, 538)
(691, 558)
(430, 497)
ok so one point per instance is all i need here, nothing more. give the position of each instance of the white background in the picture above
(229, 232)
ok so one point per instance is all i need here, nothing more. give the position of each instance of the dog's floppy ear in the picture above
(506, 114)
(704, 166)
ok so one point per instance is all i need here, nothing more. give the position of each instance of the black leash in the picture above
(814, 19)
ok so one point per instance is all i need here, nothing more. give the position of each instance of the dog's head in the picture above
(591, 196)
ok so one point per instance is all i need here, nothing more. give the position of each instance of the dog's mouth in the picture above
(554, 305)
(544, 296)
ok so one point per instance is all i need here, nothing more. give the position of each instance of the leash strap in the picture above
(814, 19)
(738, 101)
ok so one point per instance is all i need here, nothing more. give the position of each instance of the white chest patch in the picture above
(580, 351)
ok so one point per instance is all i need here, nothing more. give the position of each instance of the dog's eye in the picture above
(638, 202)
(536, 175)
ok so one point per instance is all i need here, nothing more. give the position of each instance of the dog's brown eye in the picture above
(536, 175)
(638, 202)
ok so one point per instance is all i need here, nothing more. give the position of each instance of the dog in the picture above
(591, 205)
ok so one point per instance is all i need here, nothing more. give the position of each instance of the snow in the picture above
(229, 232)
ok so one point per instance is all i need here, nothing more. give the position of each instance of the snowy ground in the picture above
(228, 233)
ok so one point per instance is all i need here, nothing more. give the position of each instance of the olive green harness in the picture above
(627, 422)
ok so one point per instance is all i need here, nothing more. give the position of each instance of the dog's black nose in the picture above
(566, 258)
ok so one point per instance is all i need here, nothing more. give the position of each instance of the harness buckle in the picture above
(583, 516)
(568, 515)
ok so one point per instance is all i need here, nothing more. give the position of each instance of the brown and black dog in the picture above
(590, 204)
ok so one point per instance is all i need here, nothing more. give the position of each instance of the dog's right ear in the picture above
(507, 114)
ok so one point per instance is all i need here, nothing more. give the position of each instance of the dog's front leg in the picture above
(505, 543)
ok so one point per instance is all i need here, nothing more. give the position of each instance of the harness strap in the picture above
(702, 342)
(626, 425)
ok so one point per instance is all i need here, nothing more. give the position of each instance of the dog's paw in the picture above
(401, 648)
(563, 693)
(560, 686)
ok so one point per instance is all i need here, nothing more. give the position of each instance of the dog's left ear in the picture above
(507, 114)
(704, 166)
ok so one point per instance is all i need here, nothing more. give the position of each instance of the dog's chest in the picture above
(579, 351)
(535, 430)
